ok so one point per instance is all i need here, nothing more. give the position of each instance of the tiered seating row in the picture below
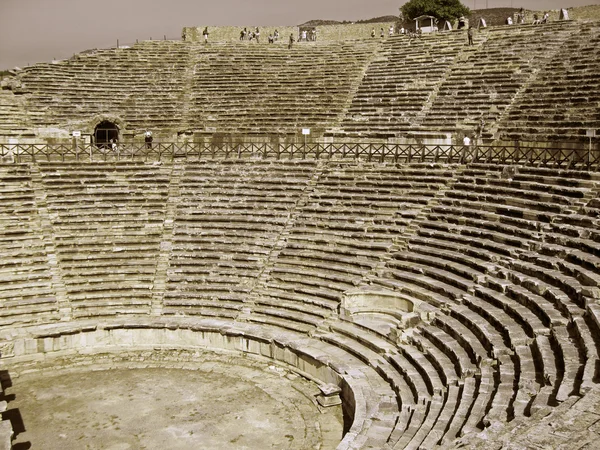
(347, 224)
(143, 85)
(228, 220)
(246, 90)
(561, 103)
(398, 83)
(26, 291)
(484, 84)
(474, 258)
(108, 222)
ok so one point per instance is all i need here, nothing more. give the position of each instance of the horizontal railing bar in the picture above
(375, 152)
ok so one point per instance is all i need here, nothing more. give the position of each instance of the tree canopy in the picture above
(441, 9)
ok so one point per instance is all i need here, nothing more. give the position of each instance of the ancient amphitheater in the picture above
(377, 285)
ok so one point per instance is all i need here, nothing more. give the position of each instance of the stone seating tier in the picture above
(26, 291)
(572, 83)
(512, 78)
(505, 299)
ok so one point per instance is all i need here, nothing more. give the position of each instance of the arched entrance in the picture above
(104, 133)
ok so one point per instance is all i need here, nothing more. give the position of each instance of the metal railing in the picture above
(371, 152)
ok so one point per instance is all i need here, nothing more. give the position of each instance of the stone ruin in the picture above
(438, 305)
(520, 83)
(443, 304)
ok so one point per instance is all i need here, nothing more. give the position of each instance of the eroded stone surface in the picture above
(215, 402)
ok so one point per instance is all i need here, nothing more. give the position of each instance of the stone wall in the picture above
(338, 32)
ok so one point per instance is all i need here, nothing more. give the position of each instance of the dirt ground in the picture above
(222, 403)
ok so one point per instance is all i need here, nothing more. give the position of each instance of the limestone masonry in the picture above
(517, 83)
(445, 304)
(305, 225)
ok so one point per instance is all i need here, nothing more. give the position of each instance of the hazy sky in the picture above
(39, 30)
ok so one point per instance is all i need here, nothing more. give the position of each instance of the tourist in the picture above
(257, 35)
(303, 35)
(243, 34)
(271, 39)
(467, 141)
(545, 18)
(461, 22)
(314, 35)
(205, 34)
(470, 35)
(291, 40)
(536, 20)
(509, 21)
(382, 33)
(276, 36)
(373, 33)
(481, 126)
(391, 30)
(521, 16)
(148, 138)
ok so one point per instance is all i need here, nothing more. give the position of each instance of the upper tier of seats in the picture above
(246, 89)
(523, 82)
(561, 103)
(143, 85)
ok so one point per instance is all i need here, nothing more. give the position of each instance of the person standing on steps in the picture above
(148, 138)
(291, 40)
(470, 35)
(205, 34)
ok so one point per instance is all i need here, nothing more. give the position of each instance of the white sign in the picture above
(76, 133)
(305, 130)
(590, 133)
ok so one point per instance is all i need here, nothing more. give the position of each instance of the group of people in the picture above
(255, 35)
(382, 33)
(306, 36)
(544, 19)
(520, 18)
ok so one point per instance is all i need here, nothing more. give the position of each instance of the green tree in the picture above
(441, 9)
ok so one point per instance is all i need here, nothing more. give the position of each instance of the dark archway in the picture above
(105, 133)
